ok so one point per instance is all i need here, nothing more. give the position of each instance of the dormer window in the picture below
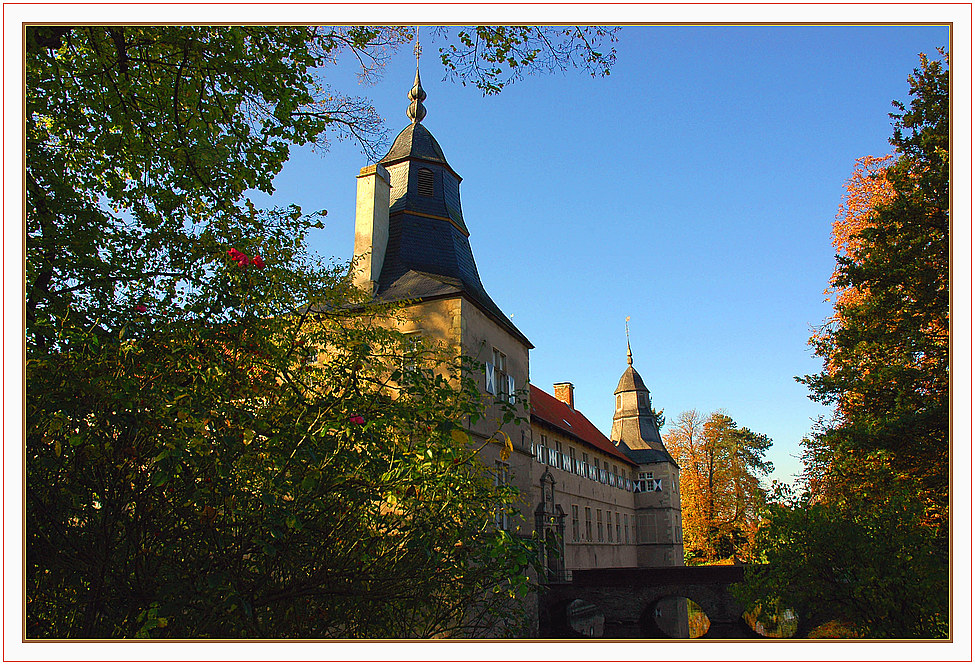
(424, 182)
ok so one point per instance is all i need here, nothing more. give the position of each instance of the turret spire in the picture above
(415, 111)
(629, 353)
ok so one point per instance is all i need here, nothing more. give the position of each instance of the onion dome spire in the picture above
(416, 112)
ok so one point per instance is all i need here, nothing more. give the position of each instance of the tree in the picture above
(188, 473)
(721, 495)
(141, 141)
(860, 563)
(199, 480)
(866, 542)
(886, 351)
(493, 56)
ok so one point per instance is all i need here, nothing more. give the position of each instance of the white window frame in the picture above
(503, 384)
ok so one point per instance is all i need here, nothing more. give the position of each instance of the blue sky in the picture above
(692, 190)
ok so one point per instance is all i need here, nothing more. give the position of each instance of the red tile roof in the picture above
(559, 415)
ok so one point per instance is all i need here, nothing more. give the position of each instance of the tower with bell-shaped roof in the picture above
(636, 432)
(412, 245)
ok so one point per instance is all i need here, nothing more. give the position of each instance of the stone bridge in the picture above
(625, 601)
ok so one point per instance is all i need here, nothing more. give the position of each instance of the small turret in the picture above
(634, 422)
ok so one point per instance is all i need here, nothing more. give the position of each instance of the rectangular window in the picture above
(626, 529)
(411, 348)
(500, 373)
(572, 460)
(599, 525)
(618, 528)
(575, 523)
(647, 483)
(588, 524)
(609, 526)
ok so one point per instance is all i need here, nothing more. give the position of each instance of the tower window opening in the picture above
(424, 184)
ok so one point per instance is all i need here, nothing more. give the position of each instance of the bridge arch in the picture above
(626, 598)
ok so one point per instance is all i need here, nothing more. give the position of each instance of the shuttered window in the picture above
(424, 184)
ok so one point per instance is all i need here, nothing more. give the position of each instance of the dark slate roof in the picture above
(631, 381)
(635, 425)
(647, 455)
(560, 416)
(414, 142)
(428, 253)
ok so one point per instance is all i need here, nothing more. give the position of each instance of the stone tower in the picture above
(413, 245)
(657, 501)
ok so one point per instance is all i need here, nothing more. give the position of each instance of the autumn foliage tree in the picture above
(885, 350)
(222, 437)
(877, 471)
(720, 483)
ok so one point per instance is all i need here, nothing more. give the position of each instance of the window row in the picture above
(560, 460)
(620, 534)
(647, 483)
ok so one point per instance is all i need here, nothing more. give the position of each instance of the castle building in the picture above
(592, 501)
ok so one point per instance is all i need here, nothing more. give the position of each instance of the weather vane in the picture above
(415, 111)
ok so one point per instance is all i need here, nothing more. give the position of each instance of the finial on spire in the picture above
(416, 111)
(629, 353)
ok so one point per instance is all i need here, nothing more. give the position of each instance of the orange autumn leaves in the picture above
(721, 465)
(867, 188)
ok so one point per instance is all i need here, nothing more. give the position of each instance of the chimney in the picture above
(563, 393)
(371, 225)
